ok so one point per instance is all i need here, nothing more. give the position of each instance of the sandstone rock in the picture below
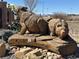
(31, 56)
(14, 49)
(49, 53)
(2, 49)
(35, 54)
(41, 54)
(28, 53)
(19, 54)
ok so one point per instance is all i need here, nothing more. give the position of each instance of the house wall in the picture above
(5, 18)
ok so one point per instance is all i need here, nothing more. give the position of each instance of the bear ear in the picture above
(51, 25)
(24, 8)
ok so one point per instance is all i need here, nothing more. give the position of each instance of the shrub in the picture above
(6, 35)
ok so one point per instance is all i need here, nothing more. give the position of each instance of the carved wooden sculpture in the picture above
(58, 41)
(59, 28)
(31, 22)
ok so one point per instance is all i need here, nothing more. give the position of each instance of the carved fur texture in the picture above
(58, 27)
(31, 22)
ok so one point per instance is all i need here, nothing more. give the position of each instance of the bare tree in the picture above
(31, 4)
(1, 0)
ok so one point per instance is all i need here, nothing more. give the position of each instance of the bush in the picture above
(15, 26)
(6, 35)
(60, 15)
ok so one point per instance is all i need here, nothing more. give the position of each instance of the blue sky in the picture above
(52, 6)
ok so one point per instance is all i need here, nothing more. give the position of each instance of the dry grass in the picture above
(77, 40)
(60, 15)
(74, 30)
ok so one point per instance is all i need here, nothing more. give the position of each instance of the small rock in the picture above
(19, 54)
(13, 50)
(2, 49)
(50, 57)
(45, 58)
(48, 53)
(34, 54)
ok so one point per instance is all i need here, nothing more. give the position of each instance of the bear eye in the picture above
(66, 26)
(59, 25)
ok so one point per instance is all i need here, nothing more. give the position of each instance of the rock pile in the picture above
(35, 53)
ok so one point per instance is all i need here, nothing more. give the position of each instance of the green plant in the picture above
(6, 35)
